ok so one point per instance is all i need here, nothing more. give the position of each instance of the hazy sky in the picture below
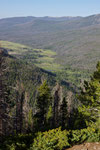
(11, 8)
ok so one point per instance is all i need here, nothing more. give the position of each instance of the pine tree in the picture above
(90, 99)
(49, 117)
(64, 113)
(43, 101)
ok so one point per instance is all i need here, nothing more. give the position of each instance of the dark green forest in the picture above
(38, 111)
(49, 82)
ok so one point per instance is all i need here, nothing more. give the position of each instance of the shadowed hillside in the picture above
(47, 60)
(44, 101)
(73, 38)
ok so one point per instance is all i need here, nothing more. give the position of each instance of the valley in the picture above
(75, 40)
(47, 60)
(49, 82)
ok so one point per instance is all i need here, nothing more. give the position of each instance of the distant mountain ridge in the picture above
(29, 18)
(75, 39)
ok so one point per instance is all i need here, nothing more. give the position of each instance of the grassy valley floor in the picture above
(47, 60)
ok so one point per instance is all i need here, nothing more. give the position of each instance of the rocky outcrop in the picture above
(86, 146)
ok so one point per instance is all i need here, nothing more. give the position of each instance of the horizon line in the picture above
(48, 16)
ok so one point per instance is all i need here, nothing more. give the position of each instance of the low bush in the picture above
(85, 135)
(54, 139)
(17, 142)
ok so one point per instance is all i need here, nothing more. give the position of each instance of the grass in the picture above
(44, 59)
(77, 42)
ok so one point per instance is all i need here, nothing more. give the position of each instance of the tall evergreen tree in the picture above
(64, 113)
(43, 101)
(90, 99)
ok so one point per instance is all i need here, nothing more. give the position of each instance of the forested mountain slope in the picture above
(23, 79)
(73, 38)
(25, 73)
(39, 82)
(47, 60)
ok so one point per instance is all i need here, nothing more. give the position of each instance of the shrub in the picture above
(54, 139)
(17, 142)
(89, 135)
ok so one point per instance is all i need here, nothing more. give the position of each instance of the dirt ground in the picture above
(86, 146)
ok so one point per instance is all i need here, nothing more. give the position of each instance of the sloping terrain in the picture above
(45, 59)
(27, 74)
(75, 39)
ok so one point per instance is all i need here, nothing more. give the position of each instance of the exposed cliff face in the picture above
(86, 146)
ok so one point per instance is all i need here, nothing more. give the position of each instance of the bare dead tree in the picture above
(19, 107)
(57, 105)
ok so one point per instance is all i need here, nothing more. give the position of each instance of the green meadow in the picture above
(45, 59)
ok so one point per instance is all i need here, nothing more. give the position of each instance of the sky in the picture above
(55, 8)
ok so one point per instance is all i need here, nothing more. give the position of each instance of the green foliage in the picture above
(30, 117)
(46, 59)
(55, 139)
(64, 113)
(49, 117)
(30, 77)
(42, 58)
(51, 140)
(73, 39)
(17, 142)
(49, 113)
(90, 98)
(90, 134)
(42, 103)
(43, 95)
(28, 74)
